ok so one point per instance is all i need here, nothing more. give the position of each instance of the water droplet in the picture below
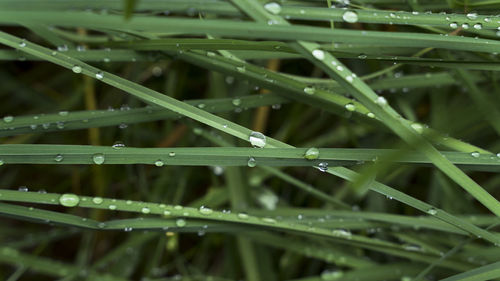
(22, 44)
(268, 220)
(205, 211)
(475, 154)
(180, 222)
(201, 105)
(236, 102)
(392, 15)
(98, 158)
(63, 113)
(8, 119)
(432, 211)
(323, 166)
(69, 200)
(171, 154)
(273, 7)
(312, 153)
(350, 107)
(23, 189)
(99, 75)
(58, 158)
(178, 207)
(97, 200)
(112, 207)
(465, 25)
(145, 210)
(350, 17)
(417, 127)
(218, 170)
(472, 16)
(1, 162)
(127, 229)
(118, 145)
(370, 115)
(381, 101)
(328, 275)
(478, 26)
(241, 69)
(159, 163)
(453, 25)
(309, 90)
(167, 213)
(251, 162)
(257, 139)
(412, 248)
(242, 216)
(318, 54)
(76, 69)
(341, 233)
(62, 48)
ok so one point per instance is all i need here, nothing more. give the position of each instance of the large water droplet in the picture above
(257, 139)
(350, 17)
(97, 200)
(432, 211)
(98, 158)
(99, 75)
(180, 222)
(118, 145)
(236, 102)
(381, 101)
(475, 154)
(350, 106)
(145, 210)
(159, 163)
(273, 7)
(69, 200)
(312, 153)
(205, 211)
(323, 166)
(22, 44)
(8, 119)
(309, 90)
(472, 16)
(58, 158)
(318, 54)
(453, 25)
(251, 162)
(478, 26)
(242, 216)
(77, 69)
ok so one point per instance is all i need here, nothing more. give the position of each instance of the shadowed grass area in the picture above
(249, 140)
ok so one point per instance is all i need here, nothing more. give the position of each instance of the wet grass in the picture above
(197, 140)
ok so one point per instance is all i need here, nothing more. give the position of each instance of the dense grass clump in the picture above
(249, 140)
